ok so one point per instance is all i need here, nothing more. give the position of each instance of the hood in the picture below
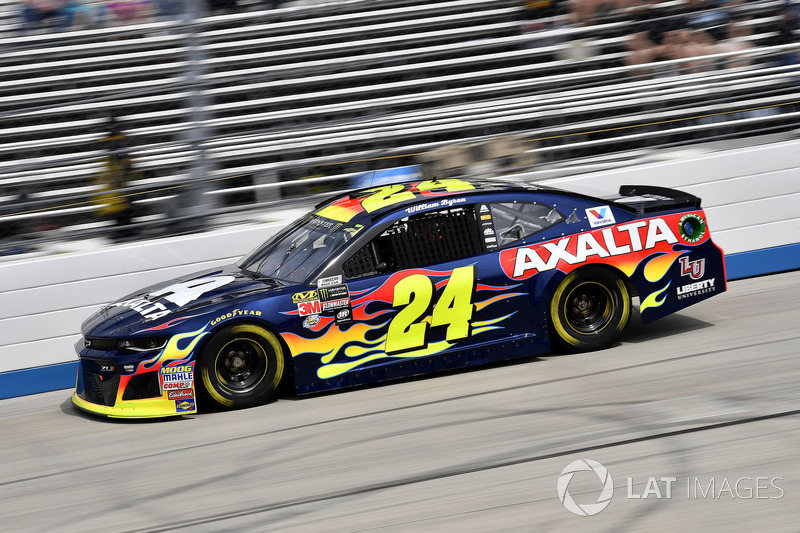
(182, 297)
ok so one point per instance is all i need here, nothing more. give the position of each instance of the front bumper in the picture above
(102, 389)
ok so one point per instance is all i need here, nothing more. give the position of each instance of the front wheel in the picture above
(589, 310)
(241, 366)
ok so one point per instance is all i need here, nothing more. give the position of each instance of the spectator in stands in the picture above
(223, 6)
(43, 14)
(690, 45)
(117, 171)
(642, 51)
(169, 9)
(736, 41)
(120, 13)
(587, 12)
(649, 43)
(86, 15)
(789, 24)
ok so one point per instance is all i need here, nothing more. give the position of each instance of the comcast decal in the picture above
(604, 476)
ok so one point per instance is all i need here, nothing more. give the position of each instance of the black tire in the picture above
(589, 310)
(241, 366)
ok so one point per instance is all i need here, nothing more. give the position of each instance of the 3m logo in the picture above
(309, 308)
(600, 216)
(693, 269)
(306, 296)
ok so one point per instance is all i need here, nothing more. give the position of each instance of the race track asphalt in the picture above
(709, 397)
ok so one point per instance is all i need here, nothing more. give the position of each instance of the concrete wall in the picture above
(43, 301)
(751, 197)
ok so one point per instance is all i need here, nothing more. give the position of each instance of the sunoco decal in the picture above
(185, 406)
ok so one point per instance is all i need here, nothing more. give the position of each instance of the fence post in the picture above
(192, 200)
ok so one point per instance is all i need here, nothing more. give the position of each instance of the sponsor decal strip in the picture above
(632, 242)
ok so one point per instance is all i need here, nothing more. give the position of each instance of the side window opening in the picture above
(418, 240)
(514, 221)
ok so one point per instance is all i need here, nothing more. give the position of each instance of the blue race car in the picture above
(395, 281)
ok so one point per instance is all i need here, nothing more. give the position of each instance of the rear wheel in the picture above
(241, 366)
(589, 310)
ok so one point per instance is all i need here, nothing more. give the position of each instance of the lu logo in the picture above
(693, 269)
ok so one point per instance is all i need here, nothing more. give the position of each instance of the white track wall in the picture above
(751, 197)
(43, 301)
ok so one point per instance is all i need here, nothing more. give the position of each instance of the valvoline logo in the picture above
(600, 216)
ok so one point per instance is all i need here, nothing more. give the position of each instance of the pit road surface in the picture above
(709, 395)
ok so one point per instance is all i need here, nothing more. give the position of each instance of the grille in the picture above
(142, 386)
(100, 389)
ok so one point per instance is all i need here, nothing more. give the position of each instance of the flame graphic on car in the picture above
(658, 265)
(172, 353)
(342, 348)
(652, 299)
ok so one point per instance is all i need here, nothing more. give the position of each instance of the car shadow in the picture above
(668, 326)
(634, 333)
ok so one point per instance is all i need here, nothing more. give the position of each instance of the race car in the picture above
(400, 280)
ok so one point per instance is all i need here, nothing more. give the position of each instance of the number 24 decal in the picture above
(413, 296)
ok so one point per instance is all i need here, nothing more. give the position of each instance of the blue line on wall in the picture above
(760, 262)
(62, 376)
(36, 380)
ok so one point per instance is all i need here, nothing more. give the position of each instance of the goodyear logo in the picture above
(307, 296)
(235, 313)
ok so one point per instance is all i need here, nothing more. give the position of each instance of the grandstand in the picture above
(228, 112)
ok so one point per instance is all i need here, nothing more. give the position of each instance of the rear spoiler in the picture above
(648, 198)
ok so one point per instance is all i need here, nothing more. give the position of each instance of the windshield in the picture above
(293, 255)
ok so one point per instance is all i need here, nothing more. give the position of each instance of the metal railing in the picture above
(218, 118)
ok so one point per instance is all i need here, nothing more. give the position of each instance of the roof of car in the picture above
(363, 204)
(375, 201)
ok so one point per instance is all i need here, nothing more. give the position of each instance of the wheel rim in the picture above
(241, 364)
(589, 307)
